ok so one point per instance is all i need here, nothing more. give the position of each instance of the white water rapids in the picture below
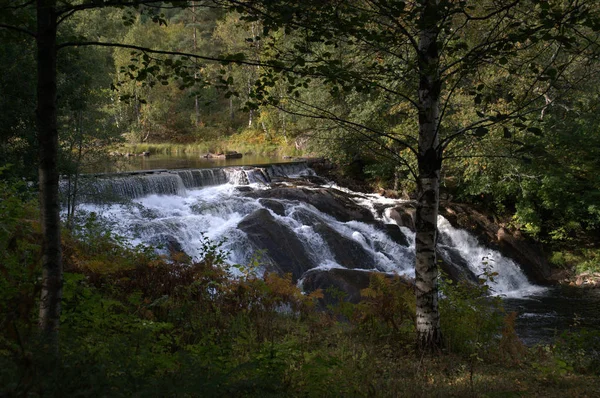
(193, 204)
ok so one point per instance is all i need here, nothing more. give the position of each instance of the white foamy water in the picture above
(185, 212)
(510, 279)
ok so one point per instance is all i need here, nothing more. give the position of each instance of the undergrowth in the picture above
(138, 324)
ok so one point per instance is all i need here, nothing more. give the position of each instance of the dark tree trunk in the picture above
(51, 295)
(429, 163)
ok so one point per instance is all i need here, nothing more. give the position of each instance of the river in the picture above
(180, 206)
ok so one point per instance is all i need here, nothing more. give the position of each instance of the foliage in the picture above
(134, 323)
(19, 261)
(387, 310)
(579, 350)
(472, 319)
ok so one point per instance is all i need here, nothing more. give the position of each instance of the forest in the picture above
(482, 112)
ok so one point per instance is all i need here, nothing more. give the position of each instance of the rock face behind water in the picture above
(284, 252)
(525, 252)
(454, 265)
(328, 200)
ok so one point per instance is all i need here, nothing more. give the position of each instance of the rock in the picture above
(454, 265)
(346, 251)
(328, 200)
(316, 180)
(347, 281)
(305, 216)
(587, 280)
(404, 215)
(232, 155)
(273, 205)
(167, 244)
(389, 193)
(284, 252)
(395, 233)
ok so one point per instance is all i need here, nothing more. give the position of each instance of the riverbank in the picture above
(248, 142)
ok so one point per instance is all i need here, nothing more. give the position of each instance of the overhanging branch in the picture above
(18, 29)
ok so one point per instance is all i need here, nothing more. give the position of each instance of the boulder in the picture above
(232, 155)
(284, 252)
(395, 233)
(328, 200)
(346, 251)
(273, 205)
(305, 216)
(404, 215)
(168, 245)
(454, 265)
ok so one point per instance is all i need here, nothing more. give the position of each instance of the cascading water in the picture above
(119, 187)
(180, 207)
(509, 281)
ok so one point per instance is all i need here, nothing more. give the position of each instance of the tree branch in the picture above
(17, 29)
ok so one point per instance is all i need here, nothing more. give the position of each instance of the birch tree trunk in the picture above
(49, 315)
(429, 162)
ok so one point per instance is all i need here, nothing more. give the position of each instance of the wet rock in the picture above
(168, 245)
(232, 155)
(404, 215)
(273, 205)
(395, 233)
(305, 216)
(340, 283)
(284, 252)
(243, 188)
(316, 180)
(454, 265)
(346, 251)
(328, 200)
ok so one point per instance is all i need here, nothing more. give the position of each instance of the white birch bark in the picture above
(429, 162)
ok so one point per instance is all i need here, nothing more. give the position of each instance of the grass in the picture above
(247, 142)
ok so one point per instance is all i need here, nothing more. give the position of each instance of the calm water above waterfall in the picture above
(308, 228)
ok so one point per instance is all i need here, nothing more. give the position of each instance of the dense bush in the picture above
(138, 324)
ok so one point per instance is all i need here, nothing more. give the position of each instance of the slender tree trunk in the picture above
(51, 295)
(196, 102)
(429, 163)
(72, 205)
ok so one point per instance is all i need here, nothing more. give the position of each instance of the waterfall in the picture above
(510, 279)
(124, 186)
(199, 178)
(129, 187)
(175, 209)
